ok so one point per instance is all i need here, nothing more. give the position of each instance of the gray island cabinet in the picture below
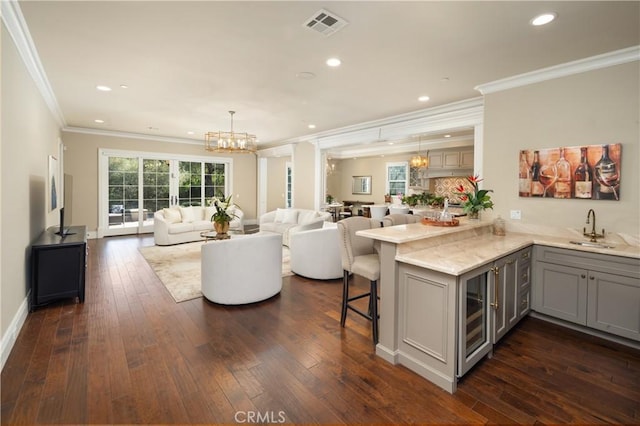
(447, 295)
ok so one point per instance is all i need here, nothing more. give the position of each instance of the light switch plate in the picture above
(516, 214)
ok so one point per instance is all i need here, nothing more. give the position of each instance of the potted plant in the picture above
(223, 215)
(476, 201)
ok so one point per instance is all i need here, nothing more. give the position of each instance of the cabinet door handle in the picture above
(592, 277)
(511, 262)
(525, 277)
(583, 276)
(496, 298)
(525, 255)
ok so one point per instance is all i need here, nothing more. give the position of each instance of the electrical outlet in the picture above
(516, 214)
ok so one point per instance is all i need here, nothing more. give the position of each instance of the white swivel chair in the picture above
(242, 269)
(316, 253)
(359, 257)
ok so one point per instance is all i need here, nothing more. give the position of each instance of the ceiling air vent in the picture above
(325, 22)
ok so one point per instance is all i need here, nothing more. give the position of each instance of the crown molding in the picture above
(457, 115)
(383, 148)
(17, 28)
(562, 70)
(277, 151)
(117, 134)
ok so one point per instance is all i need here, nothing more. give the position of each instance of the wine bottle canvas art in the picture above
(590, 172)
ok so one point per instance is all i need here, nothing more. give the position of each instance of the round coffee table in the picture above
(208, 235)
(212, 235)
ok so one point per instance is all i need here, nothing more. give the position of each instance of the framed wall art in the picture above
(590, 172)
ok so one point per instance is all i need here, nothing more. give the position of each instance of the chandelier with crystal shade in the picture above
(418, 160)
(230, 142)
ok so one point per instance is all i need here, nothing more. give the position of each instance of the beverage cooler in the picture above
(474, 319)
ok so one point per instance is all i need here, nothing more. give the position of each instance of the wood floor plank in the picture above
(131, 355)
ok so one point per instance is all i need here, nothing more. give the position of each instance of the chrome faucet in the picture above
(592, 234)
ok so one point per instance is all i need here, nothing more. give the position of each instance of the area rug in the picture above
(178, 267)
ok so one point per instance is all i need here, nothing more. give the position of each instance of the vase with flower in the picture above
(222, 216)
(473, 202)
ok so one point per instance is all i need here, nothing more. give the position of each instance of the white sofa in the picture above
(175, 225)
(226, 276)
(316, 253)
(288, 221)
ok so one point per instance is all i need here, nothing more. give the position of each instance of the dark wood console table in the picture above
(58, 266)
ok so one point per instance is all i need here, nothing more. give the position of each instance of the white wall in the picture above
(590, 108)
(29, 135)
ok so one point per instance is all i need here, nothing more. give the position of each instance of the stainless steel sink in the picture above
(591, 244)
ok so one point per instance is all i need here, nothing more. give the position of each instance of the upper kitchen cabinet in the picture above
(451, 159)
(448, 162)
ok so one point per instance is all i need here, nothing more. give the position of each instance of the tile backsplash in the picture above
(446, 187)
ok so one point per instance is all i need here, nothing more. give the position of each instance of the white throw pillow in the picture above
(172, 215)
(198, 212)
(290, 216)
(280, 215)
(187, 214)
(306, 217)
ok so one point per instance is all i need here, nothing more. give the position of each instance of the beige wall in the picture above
(81, 162)
(339, 182)
(590, 108)
(304, 176)
(29, 135)
(276, 182)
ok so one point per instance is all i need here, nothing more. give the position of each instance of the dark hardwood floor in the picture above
(130, 354)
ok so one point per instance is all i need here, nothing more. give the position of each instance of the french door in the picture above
(133, 186)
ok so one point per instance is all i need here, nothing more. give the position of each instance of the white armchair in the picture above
(316, 253)
(243, 269)
(289, 221)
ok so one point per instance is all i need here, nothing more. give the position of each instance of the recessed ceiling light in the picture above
(103, 88)
(423, 98)
(543, 19)
(97, 120)
(190, 133)
(390, 143)
(311, 126)
(334, 62)
(124, 86)
(447, 136)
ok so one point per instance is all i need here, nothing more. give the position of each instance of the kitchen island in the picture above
(447, 294)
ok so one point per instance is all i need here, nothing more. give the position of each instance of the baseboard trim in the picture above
(9, 338)
(577, 327)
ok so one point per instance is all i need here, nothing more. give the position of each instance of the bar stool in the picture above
(359, 257)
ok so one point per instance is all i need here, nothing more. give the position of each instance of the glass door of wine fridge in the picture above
(475, 337)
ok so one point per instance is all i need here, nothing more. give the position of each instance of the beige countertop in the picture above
(456, 257)
(401, 234)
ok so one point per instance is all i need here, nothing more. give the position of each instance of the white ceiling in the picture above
(186, 64)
